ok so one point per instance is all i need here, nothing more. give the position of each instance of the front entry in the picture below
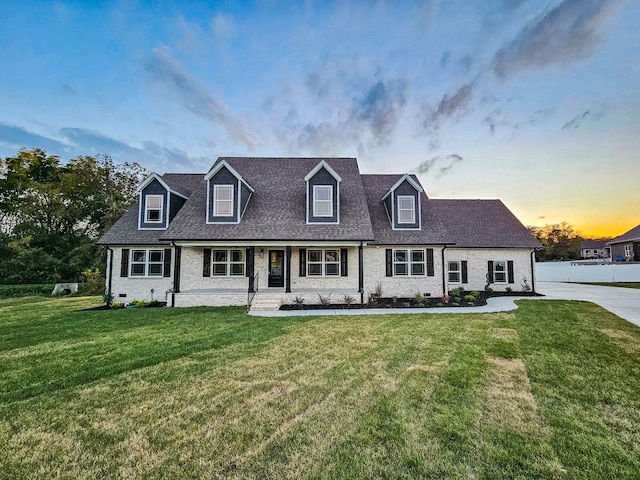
(276, 268)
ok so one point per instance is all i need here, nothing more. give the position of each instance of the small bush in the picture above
(348, 299)
(117, 305)
(418, 297)
(139, 303)
(298, 301)
(95, 282)
(469, 298)
(508, 289)
(32, 290)
(324, 300)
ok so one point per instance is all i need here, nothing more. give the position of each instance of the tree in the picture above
(52, 214)
(560, 241)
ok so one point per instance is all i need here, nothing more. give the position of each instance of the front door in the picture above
(276, 268)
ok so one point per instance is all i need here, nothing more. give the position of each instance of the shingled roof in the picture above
(632, 235)
(460, 223)
(277, 209)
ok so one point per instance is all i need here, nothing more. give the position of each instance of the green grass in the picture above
(614, 284)
(547, 391)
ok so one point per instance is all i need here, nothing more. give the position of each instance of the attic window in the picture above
(323, 200)
(406, 209)
(223, 200)
(153, 208)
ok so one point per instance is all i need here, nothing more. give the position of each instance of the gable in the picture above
(228, 194)
(323, 197)
(154, 206)
(403, 204)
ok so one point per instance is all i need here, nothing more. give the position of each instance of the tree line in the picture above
(560, 241)
(51, 214)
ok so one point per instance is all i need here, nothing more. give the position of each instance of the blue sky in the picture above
(536, 103)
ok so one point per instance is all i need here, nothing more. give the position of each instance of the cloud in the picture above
(15, 137)
(448, 106)
(439, 165)
(575, 121)
(380, 108)
(223, 25)
(194, 96)
(565, 34)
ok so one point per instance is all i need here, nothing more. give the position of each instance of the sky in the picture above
(536, 103)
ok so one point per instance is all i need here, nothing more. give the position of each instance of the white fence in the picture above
(585, 272)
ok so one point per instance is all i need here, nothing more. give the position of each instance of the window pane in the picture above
(454, 277)
(139, 255)
(223, 200)
(453, 266)
(153, 215)
(315, 255)
(224, 192)
(315, 269)
(400, 255)
(417, 255)
(331, 256)
(322, 192)
(219, 255)
(417, 269)
(400, 269)
(237, 269)
(500, 277)
(331, 269)
(499, 266)
(137, 269)
(155, 269)
(155, 255)
(154, 201)
(237, 255)
(220, 269)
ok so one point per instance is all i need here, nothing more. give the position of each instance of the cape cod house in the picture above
(293, 227)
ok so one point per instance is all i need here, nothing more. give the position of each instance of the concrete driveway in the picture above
(624, 302)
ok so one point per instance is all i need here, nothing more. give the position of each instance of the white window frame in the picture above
(228, 265)
(148, 209)
(500, 273)
(412, 210)
(217, 189)
(328, 203)
(628, 250)
(451, 274)
(325, 264)
(146, 263)
(410, 262)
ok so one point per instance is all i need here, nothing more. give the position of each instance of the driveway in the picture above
(624, 302)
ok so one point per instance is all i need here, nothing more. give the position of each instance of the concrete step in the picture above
(266, 302)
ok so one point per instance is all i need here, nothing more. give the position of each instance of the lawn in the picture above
(547, 391)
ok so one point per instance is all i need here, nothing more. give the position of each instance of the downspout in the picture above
(444, 282)
(533, 276)
(110, 253)
(361, 272)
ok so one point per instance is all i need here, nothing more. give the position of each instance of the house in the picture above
(626, 247)
(293, 227)
(594, 249)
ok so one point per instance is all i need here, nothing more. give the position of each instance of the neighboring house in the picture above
(594, 249)
(626, 247)
(299, 226)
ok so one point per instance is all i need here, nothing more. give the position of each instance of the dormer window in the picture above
(153, 208)
(323, 200)
(406, 209)
(223, 200)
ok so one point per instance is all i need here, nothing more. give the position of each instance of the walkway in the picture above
(624, 302)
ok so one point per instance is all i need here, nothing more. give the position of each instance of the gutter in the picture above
(444, 272)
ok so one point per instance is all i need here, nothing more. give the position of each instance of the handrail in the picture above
(250, 294)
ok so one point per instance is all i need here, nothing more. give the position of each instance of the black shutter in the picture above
(463, 267)
(167, 262)
(124, 265)
(343, 262)
(389, 255)
(430, 264)
(490, 271)
(250, 261)
(206, 263)
(303, 262)
(510, 270)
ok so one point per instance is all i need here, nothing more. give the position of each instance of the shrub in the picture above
(418, 297)
(508, 289)
(117, 305)
(298, 301)
(139, 303)
(457, 294)
(348, 299)
(324, 300)
(31, 290)
(469, 298)
(95, 281)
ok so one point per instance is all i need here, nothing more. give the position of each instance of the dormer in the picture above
(323, 194)
(228, 194)
(402, 203)
(158, 203)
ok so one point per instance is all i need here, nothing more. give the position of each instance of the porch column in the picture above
(287, 270)
(176, 268)
(361, 272)
(251, 255)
